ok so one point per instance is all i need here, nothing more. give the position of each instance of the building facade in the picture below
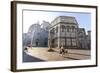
(65, 32)
(37, 35)
(62, 31)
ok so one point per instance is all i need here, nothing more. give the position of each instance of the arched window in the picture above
(63, 28)
(73, 28)
(56, 29)
(37, 42)
(68, 28)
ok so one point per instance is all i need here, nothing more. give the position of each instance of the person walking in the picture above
(62, 50)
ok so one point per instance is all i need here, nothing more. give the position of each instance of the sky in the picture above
(31, 17)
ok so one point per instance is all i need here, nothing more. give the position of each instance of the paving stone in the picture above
(73, 54)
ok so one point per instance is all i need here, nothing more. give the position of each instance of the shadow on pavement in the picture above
(28, 58)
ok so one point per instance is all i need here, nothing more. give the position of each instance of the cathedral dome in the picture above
(34, 27)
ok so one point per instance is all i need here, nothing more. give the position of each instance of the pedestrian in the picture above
(62, 51)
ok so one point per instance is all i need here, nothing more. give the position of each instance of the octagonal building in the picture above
(63, 32)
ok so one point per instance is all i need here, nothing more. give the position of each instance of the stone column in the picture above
(58, 36)
(49, 42)
(77, 38)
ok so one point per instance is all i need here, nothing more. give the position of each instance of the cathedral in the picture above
(37, 35)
